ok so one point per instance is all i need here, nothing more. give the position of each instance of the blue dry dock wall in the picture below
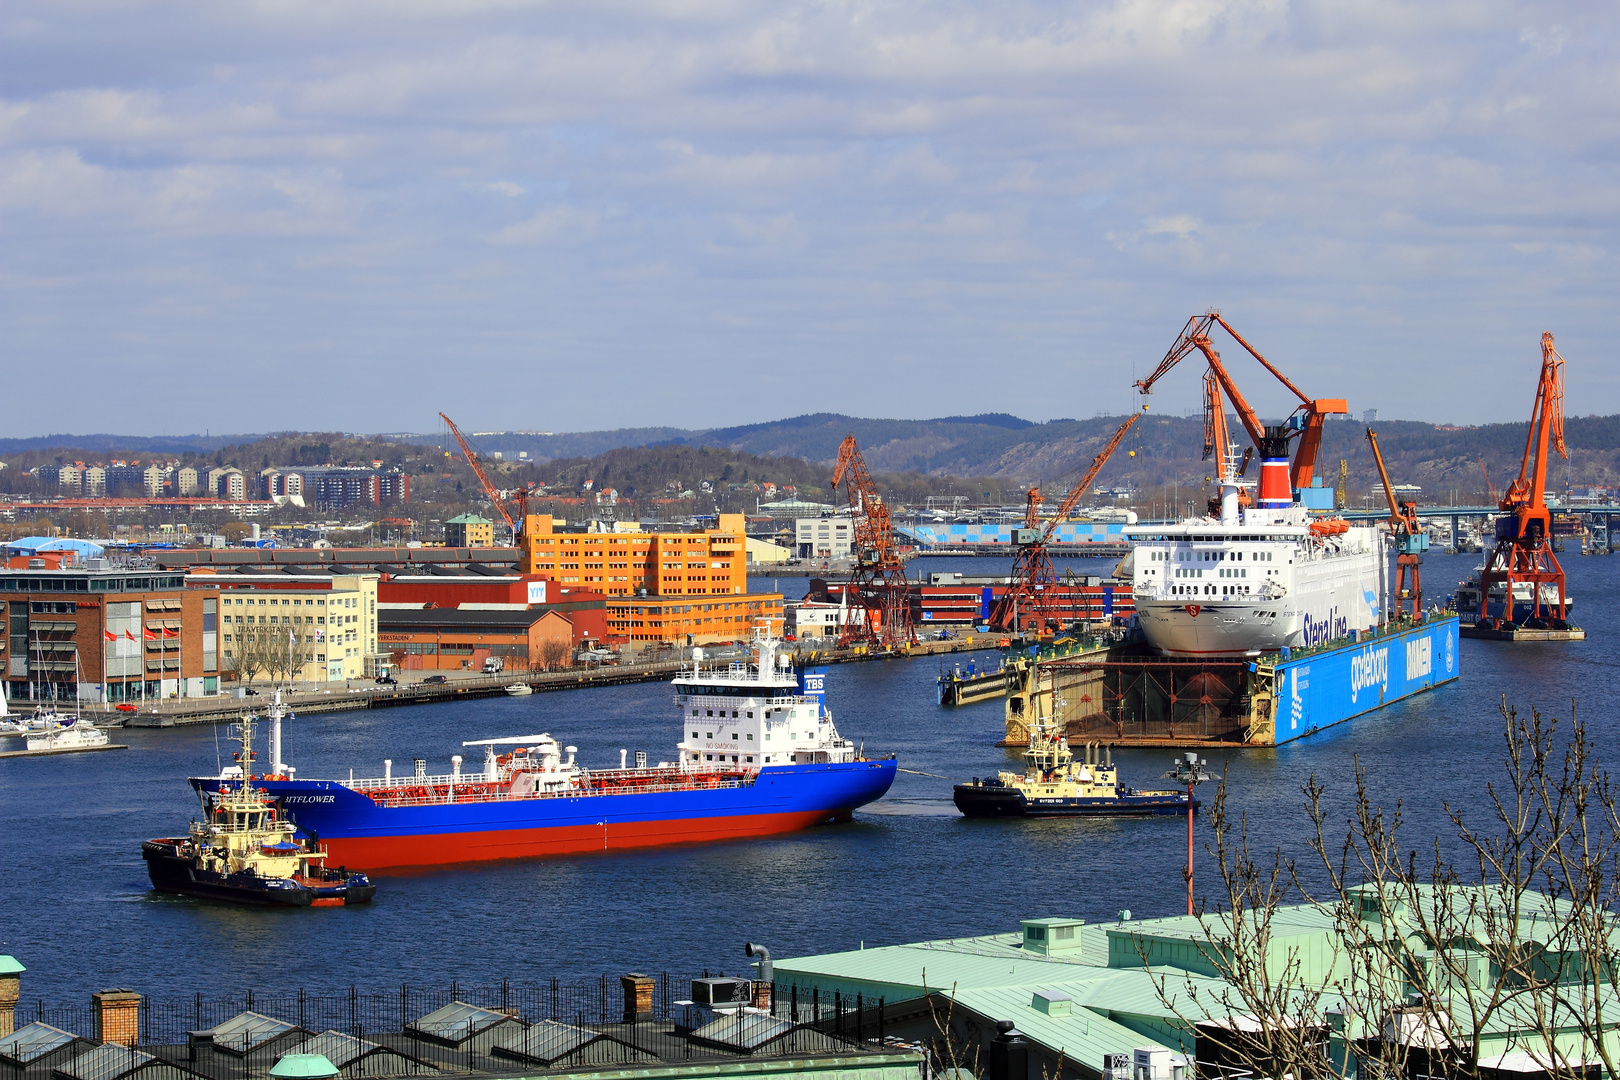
(1325, 688)
(1068, 532)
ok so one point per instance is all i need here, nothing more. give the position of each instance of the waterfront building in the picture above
(451, 639)
(88, 630)
(469, 530)
(823, 537)
(706, 562)
(1090, 998)
(330, 618)
(648, 621)
(451, 621)
(765, 553)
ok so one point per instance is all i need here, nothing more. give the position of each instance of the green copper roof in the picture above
(468, 519)
(9, 966)
(303, 1067)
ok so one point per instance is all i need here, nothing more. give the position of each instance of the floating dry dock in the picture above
(1131, 697)
(1519, 633)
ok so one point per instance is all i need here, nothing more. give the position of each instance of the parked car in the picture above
(434, 680)
(387, 680)
(126, 708)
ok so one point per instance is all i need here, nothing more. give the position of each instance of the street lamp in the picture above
(1188, 769)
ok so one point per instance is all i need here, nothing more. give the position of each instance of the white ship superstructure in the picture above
(1255, 579)
(741, 717)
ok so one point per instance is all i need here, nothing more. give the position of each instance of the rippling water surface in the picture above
(75, 905)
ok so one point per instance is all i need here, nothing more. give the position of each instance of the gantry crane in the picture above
(1029, 600)
(483, 478)
(1523, 551)
(1305, 422)
(1410, 541)
(878, 581)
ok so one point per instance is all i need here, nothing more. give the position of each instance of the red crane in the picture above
(483, 478)
(1305, 422)
(1029, 600)
(878, 581)
(1523, 551)
(1410, 541)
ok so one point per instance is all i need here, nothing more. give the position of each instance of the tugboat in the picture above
(1054, 785)
(243, 853)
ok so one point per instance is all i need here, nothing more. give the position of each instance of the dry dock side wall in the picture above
(1129, 698)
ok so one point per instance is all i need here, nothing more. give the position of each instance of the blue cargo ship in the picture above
(759, 754)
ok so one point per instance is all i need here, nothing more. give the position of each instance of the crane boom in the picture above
(1215, 433)
(478, 470)
(1309, 414)
(1410, 541)
(1029, 599)
(1078, 491)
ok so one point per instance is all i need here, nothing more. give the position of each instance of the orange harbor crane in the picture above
(1523, 549)
(1029, 601)
(483, 478)
(878, 582)
(1410, 541)
(1305, 422)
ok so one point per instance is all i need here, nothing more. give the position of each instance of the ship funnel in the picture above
(571, 751)
(623, 755)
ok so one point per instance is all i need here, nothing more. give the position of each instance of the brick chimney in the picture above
(118, 1016)
(638, 997)
(10, 991)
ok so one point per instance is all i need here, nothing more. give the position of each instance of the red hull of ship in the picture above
(395, 852)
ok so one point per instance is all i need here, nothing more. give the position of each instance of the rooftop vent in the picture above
(722, 991)
(1051, 1002)
(1053, 936)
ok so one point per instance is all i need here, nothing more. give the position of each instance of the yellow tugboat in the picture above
(1055, 785)
(245, 853)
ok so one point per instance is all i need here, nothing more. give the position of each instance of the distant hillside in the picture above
(917, 457)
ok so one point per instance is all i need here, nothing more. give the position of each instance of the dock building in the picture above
(329, 620)
(86, 629)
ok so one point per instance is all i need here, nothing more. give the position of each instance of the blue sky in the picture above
(566, 216)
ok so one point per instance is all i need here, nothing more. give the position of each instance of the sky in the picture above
(570, 216)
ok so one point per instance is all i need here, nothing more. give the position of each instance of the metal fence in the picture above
(365, 1013)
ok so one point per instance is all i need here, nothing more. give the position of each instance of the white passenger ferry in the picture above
(1255, 579)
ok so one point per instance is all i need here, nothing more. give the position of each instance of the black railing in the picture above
(603, 1018)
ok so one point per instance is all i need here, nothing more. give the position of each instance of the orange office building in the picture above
(662, 587)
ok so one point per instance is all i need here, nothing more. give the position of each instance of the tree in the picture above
(246, 654)
(554, 653)
(1437, 964)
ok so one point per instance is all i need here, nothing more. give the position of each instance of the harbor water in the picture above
(80, 914)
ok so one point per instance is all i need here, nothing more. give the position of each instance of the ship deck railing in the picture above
(738, 672)
(447, 790)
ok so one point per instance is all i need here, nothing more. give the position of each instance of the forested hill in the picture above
(1444, 460)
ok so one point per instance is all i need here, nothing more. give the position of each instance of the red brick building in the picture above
(105, 633)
